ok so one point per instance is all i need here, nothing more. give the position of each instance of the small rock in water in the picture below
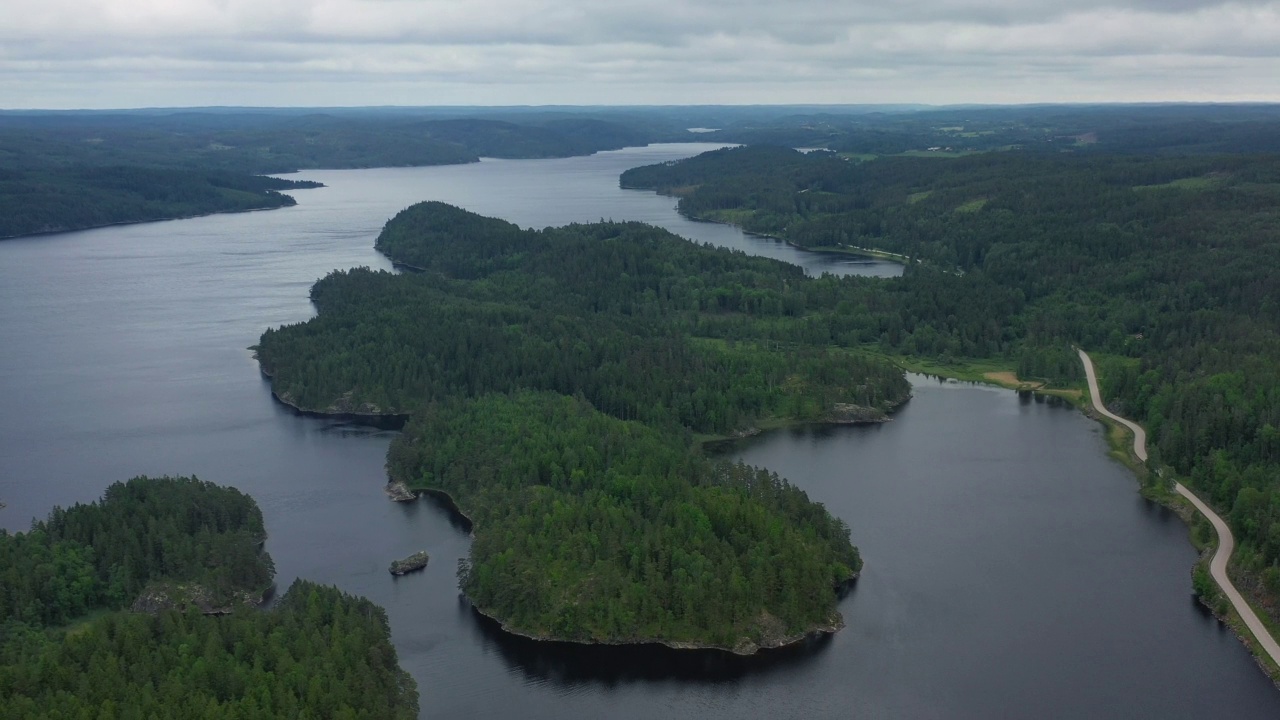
(416, 561)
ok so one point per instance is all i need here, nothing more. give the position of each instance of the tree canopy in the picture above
(1166, 267)
(555, 379)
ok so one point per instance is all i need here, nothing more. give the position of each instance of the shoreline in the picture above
(382, 421)
(739, 650)
(1252, 630)
(64, 231)
(844, 250)
(827, 420)
(842, 589)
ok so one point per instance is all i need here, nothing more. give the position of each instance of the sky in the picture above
(172, 53)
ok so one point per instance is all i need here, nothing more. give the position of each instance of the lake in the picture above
(1012, 569)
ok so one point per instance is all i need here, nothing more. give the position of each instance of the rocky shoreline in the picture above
(374, 417)
(399, 492)
(413, 563)
(744, 647)
(169, 596)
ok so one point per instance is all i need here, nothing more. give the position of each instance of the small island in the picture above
(414, 562)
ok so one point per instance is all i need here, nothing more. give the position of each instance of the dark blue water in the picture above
(1012, 571)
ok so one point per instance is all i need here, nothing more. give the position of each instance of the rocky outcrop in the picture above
(772, 635)
(180, 596)
(416, 561)
(850, 414)
(398, 492)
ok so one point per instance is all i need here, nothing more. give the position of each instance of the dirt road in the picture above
(1226, 542)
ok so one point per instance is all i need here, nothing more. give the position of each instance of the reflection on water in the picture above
(573, 665)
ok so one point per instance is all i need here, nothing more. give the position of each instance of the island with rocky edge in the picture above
(560, 384)
(414, 562)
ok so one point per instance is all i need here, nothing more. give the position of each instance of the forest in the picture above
(73, 170)
(591, 528)
(1167, 265)
(58, 199)
(558, 381)
(143, 604)
(609, 310)
(66, 170)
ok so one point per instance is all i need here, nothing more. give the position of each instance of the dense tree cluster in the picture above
(554, 377)
(607, 310)
(1169, 265)
(56, 199)
(103, 554)
(946, 132)
(319, 654)
(592, 528)
(68, 171)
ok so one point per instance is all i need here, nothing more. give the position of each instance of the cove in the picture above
(1012, 569)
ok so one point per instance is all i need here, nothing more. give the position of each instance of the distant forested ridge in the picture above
(1168, 266)
(187, 557)
(1111, 129)
(67, 170)
(76, 170)
(555, 379)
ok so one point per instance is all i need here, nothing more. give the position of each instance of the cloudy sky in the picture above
(132, 53)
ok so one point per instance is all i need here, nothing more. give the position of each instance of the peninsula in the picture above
(557, 383)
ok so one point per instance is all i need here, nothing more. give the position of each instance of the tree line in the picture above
(592, 528)
(1168, 267)
(555, 379)
(143, 604)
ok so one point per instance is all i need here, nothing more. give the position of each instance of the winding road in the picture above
(1226, 542)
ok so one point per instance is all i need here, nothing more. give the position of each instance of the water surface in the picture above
(1012, 571)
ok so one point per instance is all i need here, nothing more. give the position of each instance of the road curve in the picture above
(1226, 542)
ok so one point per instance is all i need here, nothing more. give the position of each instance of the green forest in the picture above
(591, 528)
(1168, 266)
(73, 170)
(66, 170)
(143, 604)
(614, 311)
(557, 381)
(57, 199)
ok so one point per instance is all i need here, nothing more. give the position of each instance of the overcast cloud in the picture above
(130, 53)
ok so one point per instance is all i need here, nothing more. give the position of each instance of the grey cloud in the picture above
(54, 52)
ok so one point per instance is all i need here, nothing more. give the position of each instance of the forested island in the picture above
(558, 381)
(144, 604)
(1166, 268)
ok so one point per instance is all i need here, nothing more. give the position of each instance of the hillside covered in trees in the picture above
(186, 557)
(73, 170)
(1168, 264)
(555, 379)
